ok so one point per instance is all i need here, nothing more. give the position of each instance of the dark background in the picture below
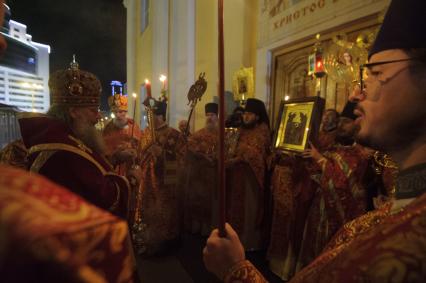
(94, 30)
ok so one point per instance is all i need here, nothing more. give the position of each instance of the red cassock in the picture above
(55, 153)
(49, 234)
(245, 182)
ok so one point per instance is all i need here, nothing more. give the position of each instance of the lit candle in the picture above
(148, 88)
(163, 79)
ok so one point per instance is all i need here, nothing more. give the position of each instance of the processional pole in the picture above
(221, 158)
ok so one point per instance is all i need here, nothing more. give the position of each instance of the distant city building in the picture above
(24, 69)
(116, 87)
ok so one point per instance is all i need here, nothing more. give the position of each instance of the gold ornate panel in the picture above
(290, 68)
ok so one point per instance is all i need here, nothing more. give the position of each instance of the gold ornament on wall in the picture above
(344, 57)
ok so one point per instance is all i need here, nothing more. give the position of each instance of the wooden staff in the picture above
(221, 158)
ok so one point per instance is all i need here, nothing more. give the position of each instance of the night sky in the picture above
(94, 30)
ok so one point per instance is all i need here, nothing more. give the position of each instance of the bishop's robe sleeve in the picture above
(244, 272)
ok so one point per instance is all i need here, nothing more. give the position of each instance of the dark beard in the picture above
(250, 125)
(211, 127)
(329, 128)
(90, 137)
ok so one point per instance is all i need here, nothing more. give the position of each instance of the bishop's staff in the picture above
(221, 158)
(195, 93)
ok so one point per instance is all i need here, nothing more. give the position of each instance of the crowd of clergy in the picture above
(78, 203)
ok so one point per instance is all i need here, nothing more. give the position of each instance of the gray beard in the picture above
(120, 124)
(91, 137)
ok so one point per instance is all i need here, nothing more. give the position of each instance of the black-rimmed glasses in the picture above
(369, 65)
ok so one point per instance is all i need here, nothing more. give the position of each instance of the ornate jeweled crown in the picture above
(74, 87)
(117, 102)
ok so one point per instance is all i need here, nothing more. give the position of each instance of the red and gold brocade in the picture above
(15, 154)
(377, 247)
(56, 154)
(157, 202)
(292, 194)
(245, 182)
(253, 147)
(199, 177)
(121, 138)
(52, 235)
(340, 198)
(342, 182)
(244, 272)
(204, 142)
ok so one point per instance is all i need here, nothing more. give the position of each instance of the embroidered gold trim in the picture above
(69, 148)
(129, 191)
(41, 160)
(80, 144)
(114, 206)
(24, 115)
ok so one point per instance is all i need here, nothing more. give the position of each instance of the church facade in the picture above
(267, 47)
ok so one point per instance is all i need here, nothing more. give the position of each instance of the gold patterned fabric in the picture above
(244, 272)
(292, 194)
(157, 219)
(199, 182)
(340, 198)
(253, 148)
(204, 142)
(245, 183)
(121, 138)
(377, 247)
(15, 154)
(49, 234)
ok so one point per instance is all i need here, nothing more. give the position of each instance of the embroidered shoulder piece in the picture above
(64, 147)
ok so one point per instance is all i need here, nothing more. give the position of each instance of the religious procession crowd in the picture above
(337, 212)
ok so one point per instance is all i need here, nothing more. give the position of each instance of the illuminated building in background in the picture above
(116, 87)
(24, 69)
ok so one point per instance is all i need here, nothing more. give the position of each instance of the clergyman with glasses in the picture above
(386, 244)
